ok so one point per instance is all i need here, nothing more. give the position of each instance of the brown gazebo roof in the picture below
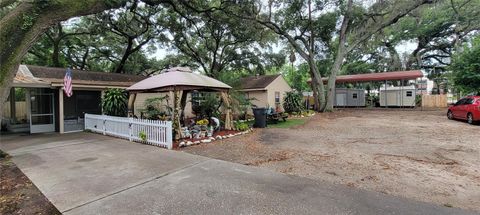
(178, 77)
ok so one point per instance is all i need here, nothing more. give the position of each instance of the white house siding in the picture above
(278, 85)
(258, 98)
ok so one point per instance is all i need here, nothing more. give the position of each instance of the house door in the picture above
(42, 117)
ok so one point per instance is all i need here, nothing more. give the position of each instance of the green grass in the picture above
(288, 124)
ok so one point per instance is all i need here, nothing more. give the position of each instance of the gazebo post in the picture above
(176, 112)
(131, 102)
(228, 116)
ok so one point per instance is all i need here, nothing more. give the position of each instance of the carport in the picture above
(350, 89)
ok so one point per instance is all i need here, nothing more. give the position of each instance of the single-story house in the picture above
(38, 104)
(265, 90)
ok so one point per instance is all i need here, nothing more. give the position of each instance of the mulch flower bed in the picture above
(218, 135)
(18, 194)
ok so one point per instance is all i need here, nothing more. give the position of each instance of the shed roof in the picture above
(177, 77)
(257, 82)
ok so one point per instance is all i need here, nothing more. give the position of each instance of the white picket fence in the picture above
(154, 132)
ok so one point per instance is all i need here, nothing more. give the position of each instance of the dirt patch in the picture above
(19, 195)
(409, 153)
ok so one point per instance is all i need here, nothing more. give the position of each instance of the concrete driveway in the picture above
(83, 173)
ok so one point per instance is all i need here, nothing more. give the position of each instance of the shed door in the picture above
(341, 99)
(42, 118)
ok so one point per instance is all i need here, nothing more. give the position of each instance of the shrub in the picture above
(155, 109)
(293, 102)
(241, 126)
(142, 135)
(114, 102)
(418, 100)
(207, 106)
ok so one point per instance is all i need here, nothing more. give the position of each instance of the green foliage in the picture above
(207, 106)
(296, 78)
(241, 126)
(28, 21)
(218, 42)
(293, 102)
(239, 102)
(358, 67)
(466, 68)
(114, 102)
(142, 135)
(418, 100)
(156, 110)
(120, 40)
(289, 123)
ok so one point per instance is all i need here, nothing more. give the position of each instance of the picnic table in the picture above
(275, 116)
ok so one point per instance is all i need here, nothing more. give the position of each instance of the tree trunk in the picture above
(338, 59)
(396, 63)
(22, 26)
(125, 56)
(56, 53)
(318, 87)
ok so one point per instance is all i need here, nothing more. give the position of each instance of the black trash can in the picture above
(260, 117)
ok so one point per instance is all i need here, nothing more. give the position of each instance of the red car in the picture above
(467, 108)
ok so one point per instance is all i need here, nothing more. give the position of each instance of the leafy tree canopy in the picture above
(466, 68)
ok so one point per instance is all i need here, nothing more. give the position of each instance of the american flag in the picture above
(67, 83)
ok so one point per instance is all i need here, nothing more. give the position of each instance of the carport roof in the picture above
(382, 76)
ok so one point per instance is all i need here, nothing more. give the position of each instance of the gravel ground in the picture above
(409, 153)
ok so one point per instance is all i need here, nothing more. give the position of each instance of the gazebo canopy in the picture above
(178, 78)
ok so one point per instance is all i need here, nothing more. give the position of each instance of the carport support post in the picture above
(386, 95)
(401, 90)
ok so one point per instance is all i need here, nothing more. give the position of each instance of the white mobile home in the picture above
(345, 97)
(398, 96)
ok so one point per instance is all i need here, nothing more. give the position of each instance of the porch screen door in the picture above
(42, 117)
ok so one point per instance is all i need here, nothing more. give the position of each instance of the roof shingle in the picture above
(257, 82)
(56, 75)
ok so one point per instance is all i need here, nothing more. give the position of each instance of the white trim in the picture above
(61, 114)
(256, 89)
(42, 128)
(100, 87)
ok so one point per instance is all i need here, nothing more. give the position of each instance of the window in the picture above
(469, 101)
(355, 95)
(277, 97)
(409, 93)
(460, 102)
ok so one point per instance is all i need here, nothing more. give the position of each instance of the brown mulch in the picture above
(18, 194)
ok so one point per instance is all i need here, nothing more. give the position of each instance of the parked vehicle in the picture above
(467, 108)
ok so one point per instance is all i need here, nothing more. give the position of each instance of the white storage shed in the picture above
(398, 96)
(345, 97)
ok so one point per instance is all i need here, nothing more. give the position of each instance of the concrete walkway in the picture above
(84, 173)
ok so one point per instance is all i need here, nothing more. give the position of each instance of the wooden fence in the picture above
(434, 101)
(20, 110)
(153, 132)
